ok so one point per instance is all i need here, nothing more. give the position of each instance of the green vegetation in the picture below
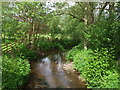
(89, 30)
(99, 68)
(15, 72)
(25, 53)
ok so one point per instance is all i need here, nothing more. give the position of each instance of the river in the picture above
(48, 72)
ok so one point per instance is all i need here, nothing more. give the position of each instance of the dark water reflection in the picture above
(48, 72)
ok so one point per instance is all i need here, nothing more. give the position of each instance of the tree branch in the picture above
(81, 20)
(103, 8)
(80, 5)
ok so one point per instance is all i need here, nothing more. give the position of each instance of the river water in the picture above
(48, 72)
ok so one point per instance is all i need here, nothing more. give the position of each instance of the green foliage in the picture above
(67, 26)
(68, 43)
(7, 41)
(115, 33)
(80, 60)
(70, 55)
(24, 52)
(104, 33)
(7, 48)
(100, 68)
(47, 45)
(14, 71)
(97, 67)
(58, 46)
(44, 44)
(99, 35)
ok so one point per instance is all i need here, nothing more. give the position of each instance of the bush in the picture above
(70, 55)
(47, 45)
(25, 53)
(44, 44)
(7, 41)
(80, 60)
(68, 43)
(14, 72)
(58, 45)
(97, 67)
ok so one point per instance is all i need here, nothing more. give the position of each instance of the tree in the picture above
(28, 19)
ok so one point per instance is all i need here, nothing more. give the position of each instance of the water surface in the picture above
(48, 72)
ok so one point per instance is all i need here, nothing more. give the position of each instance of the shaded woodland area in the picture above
(89, 32)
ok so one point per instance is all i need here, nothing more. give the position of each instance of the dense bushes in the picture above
(44, 44)
(25, 53)
(68, 43)
(7, 41)
(73, 52)
(104, 33)
(14, 72)
(47, 45)
(97, 67)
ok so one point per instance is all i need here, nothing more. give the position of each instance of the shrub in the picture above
(68, 43)
(58, 45)
(7, 41)
(44, 44)
(100, 68)
(70, 55)
(15, 71)
(25, 53)
(80, 60)
(97, 67)
(47, 45)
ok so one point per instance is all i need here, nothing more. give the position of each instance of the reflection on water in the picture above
(50, 69)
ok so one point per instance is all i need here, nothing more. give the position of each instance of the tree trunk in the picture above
(85, 45)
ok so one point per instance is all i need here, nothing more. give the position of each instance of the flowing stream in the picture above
(48, 72)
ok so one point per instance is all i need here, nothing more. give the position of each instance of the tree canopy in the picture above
(90, 29)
